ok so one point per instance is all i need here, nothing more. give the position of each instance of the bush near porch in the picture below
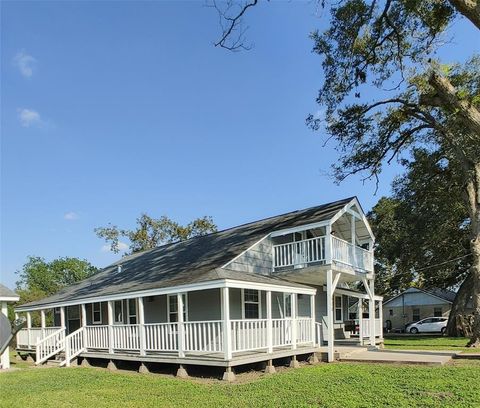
(429, 342)
(323, 385)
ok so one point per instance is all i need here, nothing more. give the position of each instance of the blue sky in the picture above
(110, 109)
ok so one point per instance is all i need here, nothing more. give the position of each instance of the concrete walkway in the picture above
(399, 356)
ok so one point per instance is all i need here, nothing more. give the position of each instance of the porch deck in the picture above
(205, 358)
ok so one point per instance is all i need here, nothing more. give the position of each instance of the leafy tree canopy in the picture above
(151, 232)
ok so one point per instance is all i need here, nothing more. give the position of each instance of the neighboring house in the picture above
(268, 289)
(6, 296)
(415, 304)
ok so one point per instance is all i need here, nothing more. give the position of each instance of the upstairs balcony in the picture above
(301, 253)
(345, 242)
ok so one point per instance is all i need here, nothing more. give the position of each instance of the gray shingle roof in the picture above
(191, 261)
(6, 293)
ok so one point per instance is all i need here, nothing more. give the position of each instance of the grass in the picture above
(323, 385)
(433, 343)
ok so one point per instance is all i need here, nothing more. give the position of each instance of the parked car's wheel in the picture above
(414, 330)
(444, 330)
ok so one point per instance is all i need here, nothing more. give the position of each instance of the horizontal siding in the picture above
(257, 259)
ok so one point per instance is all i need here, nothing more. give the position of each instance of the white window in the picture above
(287, 305)
(132, 311)
(173, 308)
(96, 313)
(251, 304)
(118, 311)
(338, 309)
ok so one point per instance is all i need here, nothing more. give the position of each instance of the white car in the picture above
(428, 325)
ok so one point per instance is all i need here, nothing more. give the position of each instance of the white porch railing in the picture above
(204, 336)
(49, 346)
(161, 337)
(299, 252)
(352, 255)
(74, 345)
(366, 328)
(304, 330)
(96, 337)
(249, 334)
(28, 337)
(126, 337)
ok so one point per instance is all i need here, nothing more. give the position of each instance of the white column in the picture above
(380, 315)
(331, 334)
(110, 326)
(181, 327)
(312, 316)
(227, 331)
(42, 324)
(328, 245)
(141, 322)
(16, 316)
(29, 326)
(294, 321)
(5, 357)
(360, 320)
(62, 317)
(83, 321)
(269, 322)
(354, 249)
(371, 312)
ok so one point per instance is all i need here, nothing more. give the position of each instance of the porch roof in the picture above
(7, 295)
(199, 259)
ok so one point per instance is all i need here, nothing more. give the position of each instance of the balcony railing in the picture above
(314, 250)
(351, 255)
(299, 252)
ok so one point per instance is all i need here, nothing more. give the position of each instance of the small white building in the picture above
(6, 295)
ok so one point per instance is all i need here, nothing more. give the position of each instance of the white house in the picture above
(268, 289)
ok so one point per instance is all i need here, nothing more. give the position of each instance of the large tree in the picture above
(413, 247)
(39, 278)
(151, 232)
(390, 46)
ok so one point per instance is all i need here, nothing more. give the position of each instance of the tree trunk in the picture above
(456, 326)
(469, 8)
(473, 191)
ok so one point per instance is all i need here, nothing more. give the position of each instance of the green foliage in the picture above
(423, 224)
(152, 232)
(39, 278)
(324, 385)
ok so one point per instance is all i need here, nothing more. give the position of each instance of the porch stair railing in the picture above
(74, 345)
(49, 346)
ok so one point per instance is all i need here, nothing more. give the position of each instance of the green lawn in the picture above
(323, 385)
(429, 343)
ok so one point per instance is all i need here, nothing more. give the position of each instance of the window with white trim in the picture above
(96, 313)
(251, 303)
(437, 311)
(287, 305)
(118, 311)
(132, 311)
(173, 308)
(338, 309)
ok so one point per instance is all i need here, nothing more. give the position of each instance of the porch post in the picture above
(371, 312)
(331, 334)
(328, 245)
(294, 321)
(354, 248)
(141, 322)
(110, 326)
(269, 322)
(312, 316)
(360, 320)
(62, 317)
(181, 327)
(42, 322)
(227, 332)
(380, 315)
(5, 356)
(29, 326)
(83, 316)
